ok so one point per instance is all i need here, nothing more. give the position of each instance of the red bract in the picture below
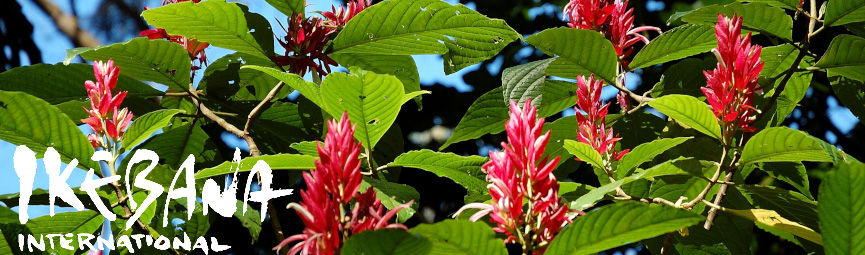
(592, 128)
(105, 118)
(193, 47)
(339, 17)
(521, 171)
(612, 18)
(304, 43)
(330, 189)
(730, 87)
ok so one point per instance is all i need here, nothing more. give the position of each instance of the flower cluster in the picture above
(612, 18)
(192, 46)
(339, 17)
(521, 172)
(331, 187)
(307, 38)
(104, 118)
(592, 128)
(730, 87)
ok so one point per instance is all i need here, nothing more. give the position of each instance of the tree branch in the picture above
(67, 24)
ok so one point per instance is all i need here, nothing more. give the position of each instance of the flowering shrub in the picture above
(686, 166)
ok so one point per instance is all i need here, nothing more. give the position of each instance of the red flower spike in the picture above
(612, 18)
(521, 171)
(105, 118)
(304, 43)
(330, 189)
(339, 17)
(592, 128)
(730, 87)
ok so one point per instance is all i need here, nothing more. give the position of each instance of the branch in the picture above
(253, 115)
(67, 24)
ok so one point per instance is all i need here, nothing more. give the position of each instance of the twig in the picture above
(67, 24)
(253, 115)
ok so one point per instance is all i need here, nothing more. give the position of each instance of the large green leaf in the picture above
(413, 27)
(680, 42)
(685, 77)
(782, 144)
(83, 222)
(756, 16)
(372, 100)
(645, 153)
(144, 59)
(605, 228)
(386, 242)
(403, 67)
(689, 111)
(587, 51)
(789, 204)
(461, 237)
(308, 89)
(289, 7)
(392, 195)
(30, 121)
(845, 57)
(219, 23)
(487, 115)
(465, 171)
(251, 220)
(146, 125)
(786, 4)
(840, 12)
(276, 162)
(175, 145)
(63, 83)
(851, 93)
(773, 220)
(525, 81)
(842, 220)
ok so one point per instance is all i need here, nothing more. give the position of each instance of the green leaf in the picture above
(772, 219)
(403, 67)
(416, 27)
(144, 59)
(604, 228)
(782, 144)
(851, 93)
(786, 4)
(386, 242)
(64, 83)
(219, 23)
(487, 115)
(225, 79)
(756, 16)
(685, 77)
(793, 173)
(250, 220)
(593, 196)
(276, 162)
(525, 81)
(461, 237)
(307, 89)
(465, 171)
(585, 153)
(689, 111)
(645, 153)
(845, 57)
(587, 51)
(306, 148)
(289, 7)
(30, 121)
(842, 12)
(777, 59)
(372, 100)
(680, 42)
(146, 125)
(63, 223)
(392, 195)
(175, 145)
(789, 204)
(842, 220)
